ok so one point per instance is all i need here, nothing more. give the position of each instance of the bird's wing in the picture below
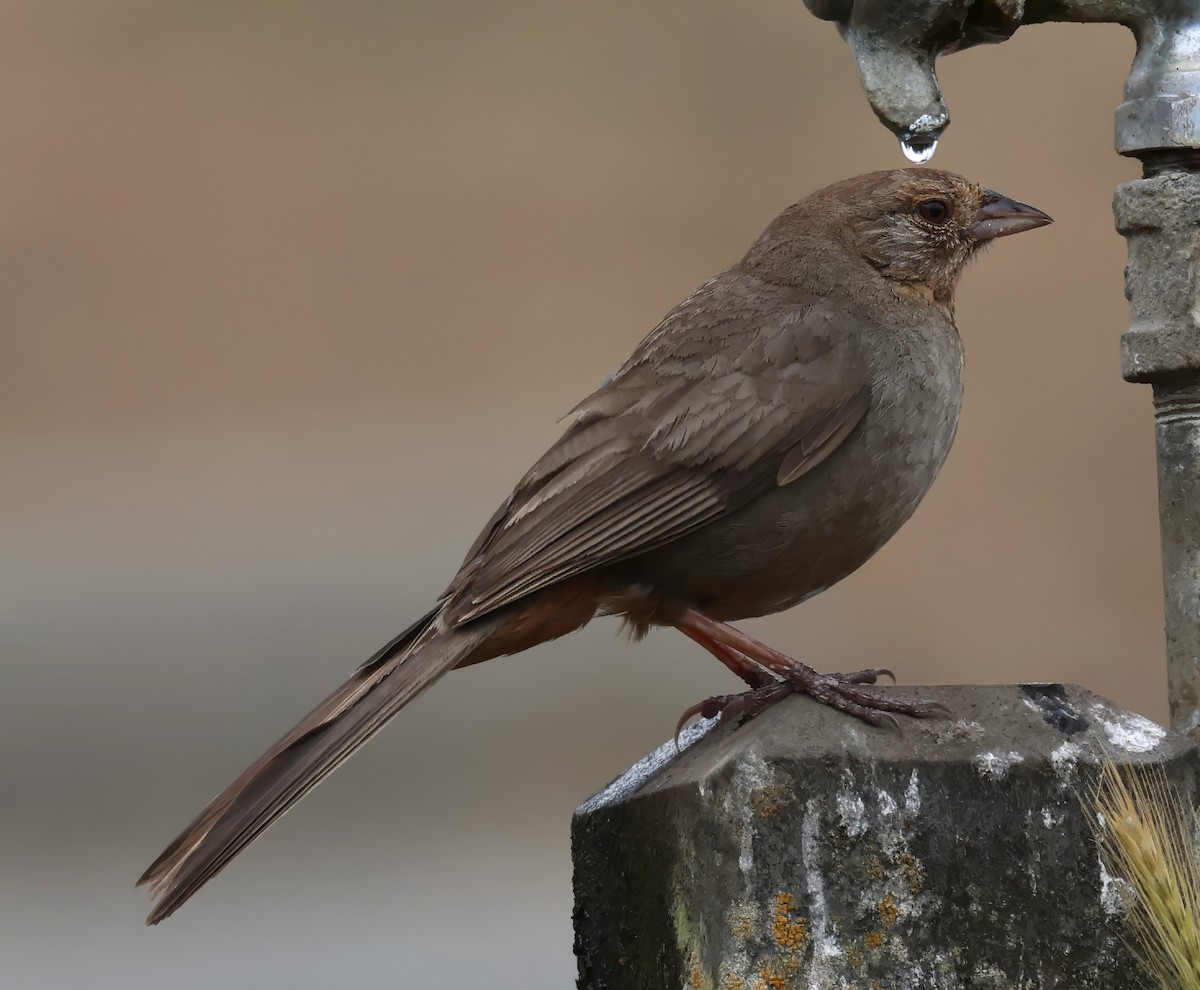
(741, 388)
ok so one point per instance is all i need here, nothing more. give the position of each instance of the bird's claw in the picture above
(743, 705)
(869, 676)
(890, 720)
(708, 708)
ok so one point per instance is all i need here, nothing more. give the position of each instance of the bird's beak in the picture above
(1000, 216)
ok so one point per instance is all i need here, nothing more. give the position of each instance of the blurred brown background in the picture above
(291, 293)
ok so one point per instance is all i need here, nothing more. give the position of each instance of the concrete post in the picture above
(807, 850)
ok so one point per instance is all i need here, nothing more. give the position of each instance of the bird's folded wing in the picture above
(718, 405)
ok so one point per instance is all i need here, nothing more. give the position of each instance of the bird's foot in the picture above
(842, 691)
(836, 690)
(773, 676)
(742, 706)
(752, 660)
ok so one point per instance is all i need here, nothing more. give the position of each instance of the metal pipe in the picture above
(1159, 215)
(896, 44)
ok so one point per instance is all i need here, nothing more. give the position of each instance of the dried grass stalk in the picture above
(1147, 840)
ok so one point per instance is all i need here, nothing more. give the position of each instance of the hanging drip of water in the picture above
(918, 148)
(920, 139)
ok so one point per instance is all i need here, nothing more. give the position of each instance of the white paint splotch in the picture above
(1064, 757)
(1129, 731)
(752, 776)
(852, 809)
(912, 796)
(645, 768)
(1112, 901)
(995, 764)
(825, 970)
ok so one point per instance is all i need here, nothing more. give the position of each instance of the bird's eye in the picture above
(935, 211)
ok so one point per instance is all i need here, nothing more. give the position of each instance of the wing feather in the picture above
(671, 443)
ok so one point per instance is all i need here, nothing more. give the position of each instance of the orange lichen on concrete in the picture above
(780, 973)
(696, 978)
(875, 940)
(773, 979)
(914, 876)
(888, 912)
(789, 933)
(874, 867)
(769, 800)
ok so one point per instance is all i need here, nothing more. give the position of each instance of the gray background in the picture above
(293, 292)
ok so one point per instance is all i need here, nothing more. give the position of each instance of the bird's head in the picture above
(916, 226)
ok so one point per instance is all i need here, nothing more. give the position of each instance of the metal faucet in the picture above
(896, 44)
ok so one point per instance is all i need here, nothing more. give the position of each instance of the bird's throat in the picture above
(925, 293)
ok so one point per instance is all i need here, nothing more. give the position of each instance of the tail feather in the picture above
(319, 743)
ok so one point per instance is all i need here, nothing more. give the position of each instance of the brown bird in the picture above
(764, 440)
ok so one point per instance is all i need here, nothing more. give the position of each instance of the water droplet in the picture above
(918, 148)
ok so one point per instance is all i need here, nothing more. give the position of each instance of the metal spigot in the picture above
(896, 44)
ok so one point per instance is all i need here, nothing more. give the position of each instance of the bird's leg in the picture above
(836, 690)
(735, 660)
(765, 689)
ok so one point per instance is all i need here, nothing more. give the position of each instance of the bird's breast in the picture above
(799, 539)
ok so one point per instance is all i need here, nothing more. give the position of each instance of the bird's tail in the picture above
(298, 762)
